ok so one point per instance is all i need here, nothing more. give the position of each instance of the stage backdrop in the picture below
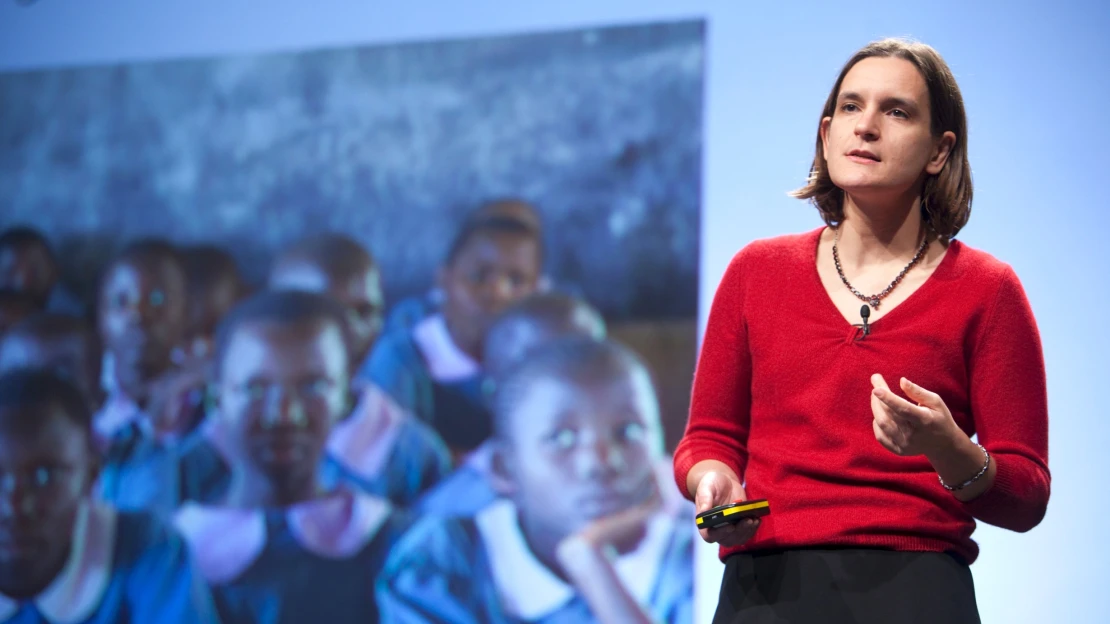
(1032, 74)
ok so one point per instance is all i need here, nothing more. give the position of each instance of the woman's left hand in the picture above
(906, 429)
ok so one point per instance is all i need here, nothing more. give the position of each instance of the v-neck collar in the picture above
(939, 274)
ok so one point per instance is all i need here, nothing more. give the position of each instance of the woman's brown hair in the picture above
(945, 197)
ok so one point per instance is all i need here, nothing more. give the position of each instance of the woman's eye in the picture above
(157, 298)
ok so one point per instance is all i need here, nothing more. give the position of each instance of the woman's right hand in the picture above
(719, 488)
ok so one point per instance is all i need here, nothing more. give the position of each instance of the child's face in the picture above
(205, 310)
(27, 268)
(282, 387)
(46, 472)
(142, 318)
(578, 450)
(493, 271)
(359, 290)
(68, 354)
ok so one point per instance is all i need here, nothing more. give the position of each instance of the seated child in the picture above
(583, 533)
(379, 447)
(214, 287)
(434, 370)
(530, 323)
(142, 307)
(67, 345)
(63, 556)
(27, 264)
(407, 313)
(282, 547)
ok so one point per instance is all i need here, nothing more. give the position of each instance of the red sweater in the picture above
(782, 395)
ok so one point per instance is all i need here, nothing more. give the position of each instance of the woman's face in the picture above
(879, 142)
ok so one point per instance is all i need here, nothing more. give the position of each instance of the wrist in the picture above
(951, 443)
(576, 554)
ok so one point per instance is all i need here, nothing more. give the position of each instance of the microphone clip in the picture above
(865, 313)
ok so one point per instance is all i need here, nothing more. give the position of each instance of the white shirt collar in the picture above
(118, 412)
(530, 591)
(446, 361)
(364, 442)
(226, 541)
(76, 593)
(481, 458)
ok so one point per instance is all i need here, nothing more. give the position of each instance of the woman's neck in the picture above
(250, 488)
(878, 234)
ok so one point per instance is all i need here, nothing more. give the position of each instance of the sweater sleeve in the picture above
(1009, 404)
(721, 397)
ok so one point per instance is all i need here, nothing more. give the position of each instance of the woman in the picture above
(844, 371)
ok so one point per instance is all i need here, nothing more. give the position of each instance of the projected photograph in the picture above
(469, 268)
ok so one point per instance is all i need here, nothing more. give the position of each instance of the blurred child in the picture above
(214, 287)
(583, 533)
(15, 306)
(142, 314)
(67, 345)
(529, 324)
(27, 264)
(282, 547)
(408, 312)
(380, 447)
(434, 370)
(63, 556)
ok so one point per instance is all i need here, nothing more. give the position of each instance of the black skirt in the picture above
(849, 585)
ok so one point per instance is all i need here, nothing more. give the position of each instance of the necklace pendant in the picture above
(874, 302)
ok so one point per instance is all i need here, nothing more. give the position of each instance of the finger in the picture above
(708, 493)
(901, 408)
(723, 534)
(921, 395)
(877, 381)
(891, 433)
(744, 531)
(885, 440)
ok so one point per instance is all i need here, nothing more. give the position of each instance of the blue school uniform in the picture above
(379, 450)
(124, 569)
(138, 472)
(431, 378)
(406, 313)
(480, 569)
(204, 473)
(384, 451)
(465, 491)
(313, 562)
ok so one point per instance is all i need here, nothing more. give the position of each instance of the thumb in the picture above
(710, 490)
(921, 395)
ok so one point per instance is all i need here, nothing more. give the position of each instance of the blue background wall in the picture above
(393, 144)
